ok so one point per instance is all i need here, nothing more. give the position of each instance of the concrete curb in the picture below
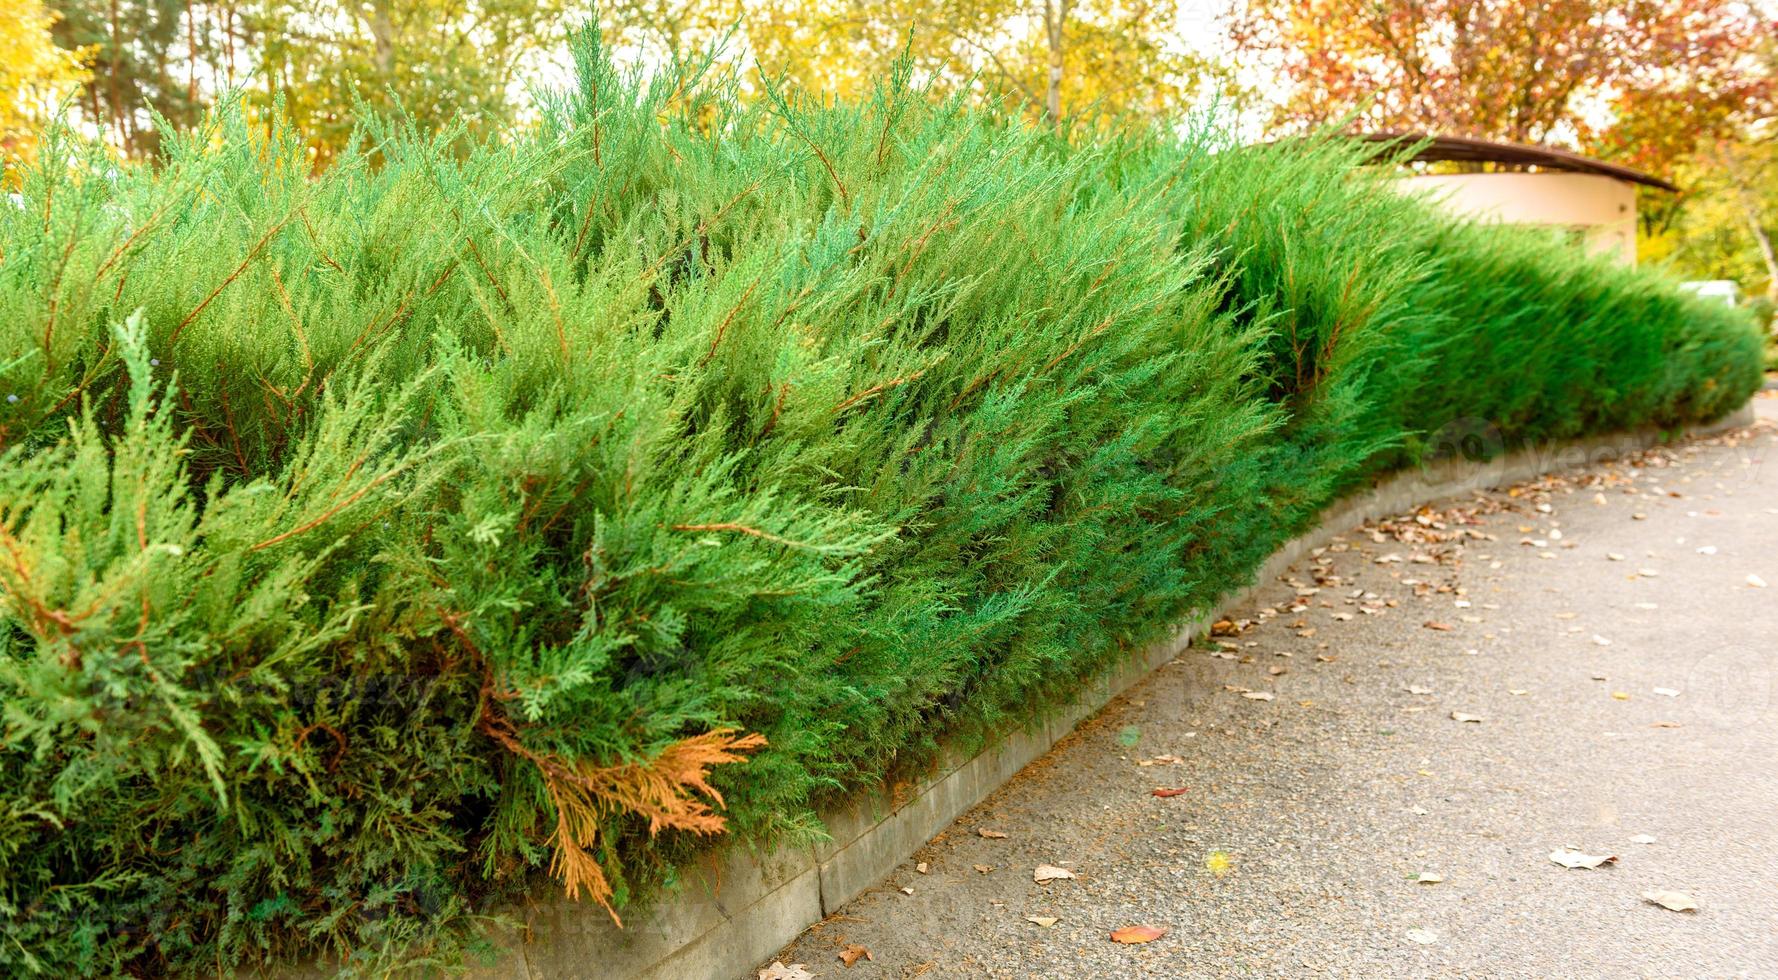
(737, 909)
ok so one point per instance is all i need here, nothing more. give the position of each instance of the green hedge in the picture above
(376, 544)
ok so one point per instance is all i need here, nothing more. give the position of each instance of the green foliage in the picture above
(366, 539)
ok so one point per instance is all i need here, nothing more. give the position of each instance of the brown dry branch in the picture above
(672, 790)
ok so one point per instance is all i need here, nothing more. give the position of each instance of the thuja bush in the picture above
(378, 544)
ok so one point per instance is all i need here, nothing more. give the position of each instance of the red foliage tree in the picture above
(1639, 80)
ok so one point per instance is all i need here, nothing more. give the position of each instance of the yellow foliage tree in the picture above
(35, 75)
(1057, 59)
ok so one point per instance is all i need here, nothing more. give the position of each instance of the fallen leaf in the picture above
(1666, 692)
(1620, 695)
(1756, 581)
(1677, 901)
(1666, 724)
(1643, 839)
(1138, 934)
(1129, 736)
(906, 890)
(778, 971)
(1600, 641)
(1441, 627)
(1576, 859)
(852, 954)
(1049, 872)
(1161, 760)
(983, 868)
(1043, 920)
(922, 867)
(1647, 572)
(1424, 937)
(990, 834)
(1278, 671)
(1460, 716)
(1613, 556)
(1168, 793)
(1257, 695)
(1416, 689)
(1517, 691)
(1428, 878)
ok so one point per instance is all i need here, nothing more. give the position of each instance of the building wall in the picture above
(1601, 209)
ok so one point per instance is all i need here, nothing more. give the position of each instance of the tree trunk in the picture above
(382, 32)
(1055, 16)
(1763, 239)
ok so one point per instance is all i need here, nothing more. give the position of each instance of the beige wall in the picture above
(1602, 209)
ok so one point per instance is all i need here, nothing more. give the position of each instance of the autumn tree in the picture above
(438, 62)
(1055, 58)
(144, 59)
(1554, 71)
(35, 75)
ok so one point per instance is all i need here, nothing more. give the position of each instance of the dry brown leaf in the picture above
(983, 868)
(852, 954)
(1168, 793)
(1049, 872)
(1042, 920)
(778, 971)
(1460, 716)
(1138, 934)
(1676, 901)
(990, 834)
(1568, 858)
(1257, 695)
(1428, 878)
(1424, 937)
(922, 867)
(1435, 625)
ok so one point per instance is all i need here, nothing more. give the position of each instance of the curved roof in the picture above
(1438, 148)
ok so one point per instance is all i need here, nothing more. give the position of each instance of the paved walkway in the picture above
(1603, 627)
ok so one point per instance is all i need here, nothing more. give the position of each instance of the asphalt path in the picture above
(1606, 627)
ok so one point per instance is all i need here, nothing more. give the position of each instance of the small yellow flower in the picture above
(1218, 863)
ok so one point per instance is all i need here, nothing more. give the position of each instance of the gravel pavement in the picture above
(1603, 627)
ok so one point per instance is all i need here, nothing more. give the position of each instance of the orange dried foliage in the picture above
(672, 790)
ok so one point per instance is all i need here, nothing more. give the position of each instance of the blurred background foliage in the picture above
(1680, 88)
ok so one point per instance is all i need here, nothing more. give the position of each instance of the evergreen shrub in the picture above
(377, 543)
